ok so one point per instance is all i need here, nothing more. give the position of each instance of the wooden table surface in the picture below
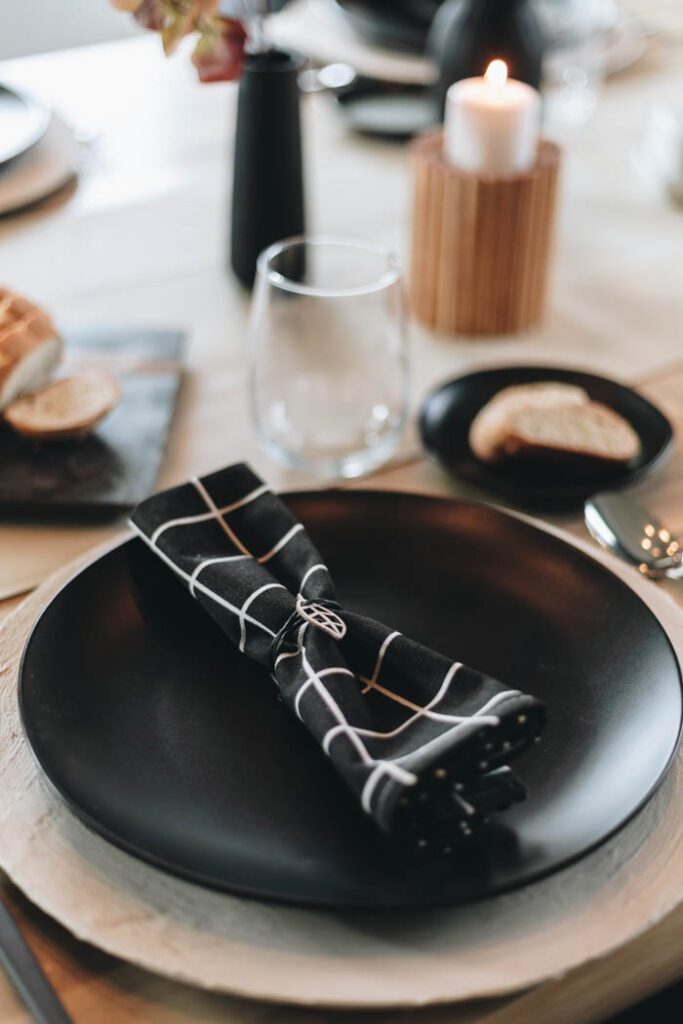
(142, 239)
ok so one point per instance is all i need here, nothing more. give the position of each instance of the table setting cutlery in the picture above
(289, 736)
(618, 522)
(26, 973)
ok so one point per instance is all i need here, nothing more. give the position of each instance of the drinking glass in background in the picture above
(574, 63)
(329, 372)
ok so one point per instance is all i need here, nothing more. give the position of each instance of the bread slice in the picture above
(588, 430)
(30, 348)
(69, 408)
(490, 427)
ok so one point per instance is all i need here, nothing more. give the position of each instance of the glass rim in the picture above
(390, 276)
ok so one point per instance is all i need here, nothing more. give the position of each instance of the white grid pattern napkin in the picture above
(423, 741)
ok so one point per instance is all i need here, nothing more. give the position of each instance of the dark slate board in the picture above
(117, 466)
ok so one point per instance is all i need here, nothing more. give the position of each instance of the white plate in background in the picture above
(23, 123)
(46, 168)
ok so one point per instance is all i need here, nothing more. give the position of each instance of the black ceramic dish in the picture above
(115, 467)
(391, 24)
(447, 415)
(386, 110)
(163, 738)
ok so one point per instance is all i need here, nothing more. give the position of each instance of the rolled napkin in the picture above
(422, 741)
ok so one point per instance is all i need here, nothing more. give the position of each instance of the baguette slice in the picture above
(588, 430)
(30, 348)
(490, 427)
(69, 408)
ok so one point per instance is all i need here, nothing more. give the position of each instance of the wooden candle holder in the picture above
(480, 253)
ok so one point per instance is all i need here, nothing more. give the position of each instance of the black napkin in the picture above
(421, 740)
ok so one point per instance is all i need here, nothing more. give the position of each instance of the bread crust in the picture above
(595, 419)
(552, 421)
(490, 427)
(30, 347)
(67, 409)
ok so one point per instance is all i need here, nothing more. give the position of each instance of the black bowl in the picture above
(447, 415)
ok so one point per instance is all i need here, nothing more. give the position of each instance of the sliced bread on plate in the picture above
(68, 408)
(590, 430)
(490, 426)
(551, 420)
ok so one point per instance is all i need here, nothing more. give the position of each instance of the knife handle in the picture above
(27, 975)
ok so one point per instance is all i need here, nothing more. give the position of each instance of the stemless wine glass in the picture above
(329, 370)
(576, 33)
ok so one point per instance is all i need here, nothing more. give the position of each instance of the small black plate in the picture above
(387, 110)
(447, 415)
(164, 739)
(114, 468)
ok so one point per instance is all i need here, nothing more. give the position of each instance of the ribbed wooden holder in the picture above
(480, 254)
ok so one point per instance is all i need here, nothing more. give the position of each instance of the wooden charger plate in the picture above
(267, 952)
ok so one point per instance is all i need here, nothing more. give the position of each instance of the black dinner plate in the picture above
(165, 740)
(394, 112)
(447, 415)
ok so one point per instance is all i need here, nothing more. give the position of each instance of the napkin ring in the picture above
(322, 614)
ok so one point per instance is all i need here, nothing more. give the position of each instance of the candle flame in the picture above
(496, 73)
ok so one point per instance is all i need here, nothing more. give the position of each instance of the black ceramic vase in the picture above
(468, 34)
(268, 190)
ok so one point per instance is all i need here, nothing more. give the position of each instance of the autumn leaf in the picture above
(219, 57)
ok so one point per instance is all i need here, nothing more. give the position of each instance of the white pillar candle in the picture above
(492, 124)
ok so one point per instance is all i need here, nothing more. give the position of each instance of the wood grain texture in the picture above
(487, 242)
